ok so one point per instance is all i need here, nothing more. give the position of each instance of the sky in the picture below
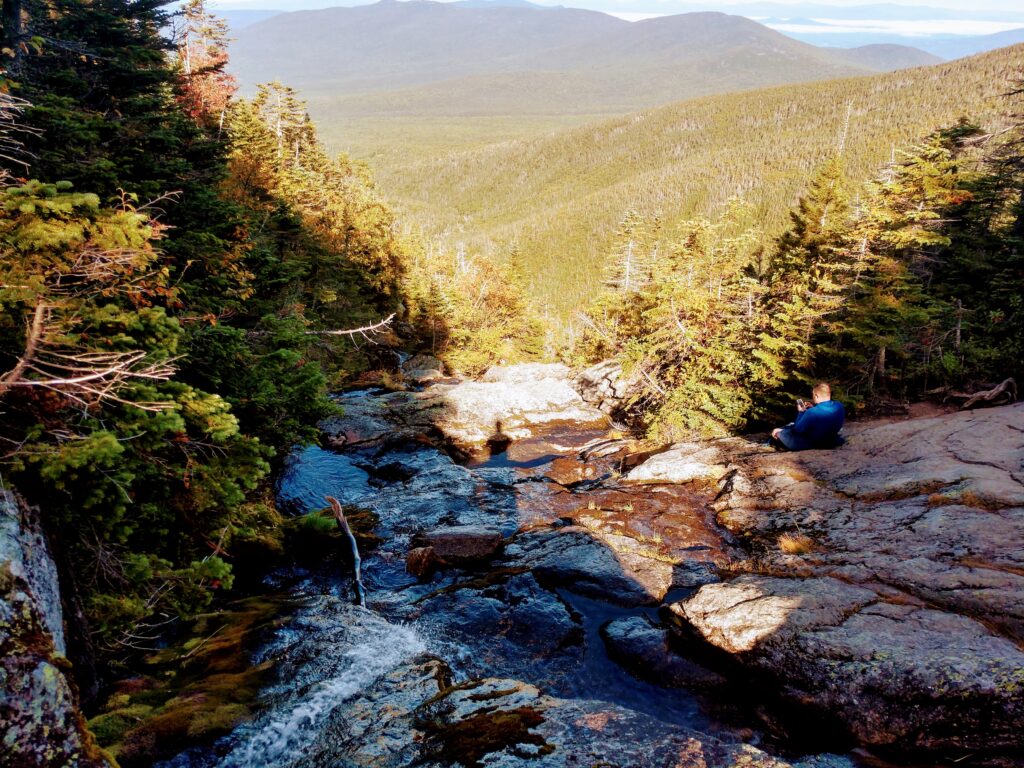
(969, 8)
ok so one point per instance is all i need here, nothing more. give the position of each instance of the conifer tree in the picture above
(891, 323)
(803, 286)
(634, 252)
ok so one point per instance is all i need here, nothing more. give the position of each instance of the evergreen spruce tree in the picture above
(803, 288)
(892, 323)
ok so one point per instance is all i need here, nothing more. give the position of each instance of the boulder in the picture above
(423, 369)
(525, 374)
(508, 403)
(462, 544)
(646, 651)
(895, 674)
(39, 718)
(604, 386)
(900, 607)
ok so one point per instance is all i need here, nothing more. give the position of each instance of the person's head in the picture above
(821, 392)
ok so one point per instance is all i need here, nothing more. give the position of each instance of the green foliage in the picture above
(144, 469)
(686, 331)
(803, 288)
(904, 292)
(145, 393)
(561, 195)
(473, 313)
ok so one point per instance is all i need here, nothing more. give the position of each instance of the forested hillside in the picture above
(559, 199)
(905, 288)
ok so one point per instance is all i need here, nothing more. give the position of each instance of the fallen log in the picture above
(1003, 393)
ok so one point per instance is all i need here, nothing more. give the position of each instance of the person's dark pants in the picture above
(789, 440)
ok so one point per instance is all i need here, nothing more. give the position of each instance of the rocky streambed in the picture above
(547, 594)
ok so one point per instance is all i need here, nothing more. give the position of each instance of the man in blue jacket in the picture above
(816, 426)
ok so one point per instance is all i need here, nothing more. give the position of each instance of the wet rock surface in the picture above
(39, 719)
(900, 608)
(583, 579)
(506, 403)
(356, 690)
(647, 651)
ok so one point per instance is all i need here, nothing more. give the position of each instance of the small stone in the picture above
(422, 561)
(569, 471)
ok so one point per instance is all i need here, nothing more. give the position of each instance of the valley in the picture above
(535, 130)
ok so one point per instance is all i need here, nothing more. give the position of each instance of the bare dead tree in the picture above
(53, 358)
(83, 376)
(12, 149)
(339, 516)
(367, 332)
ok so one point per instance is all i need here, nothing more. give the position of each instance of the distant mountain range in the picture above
(944, 46)
(887, 11)
(420, 58)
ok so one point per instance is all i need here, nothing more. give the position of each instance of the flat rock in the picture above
(683, 463)
(894, 674)
(506, 403)
(903, 610)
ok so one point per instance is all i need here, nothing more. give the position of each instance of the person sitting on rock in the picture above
(817, 424)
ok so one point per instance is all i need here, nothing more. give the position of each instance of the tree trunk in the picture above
(1018, 224)
(14, 30)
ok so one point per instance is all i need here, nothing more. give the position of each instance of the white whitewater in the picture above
(280, 739)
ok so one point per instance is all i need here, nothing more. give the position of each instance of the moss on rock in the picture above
(194, 691)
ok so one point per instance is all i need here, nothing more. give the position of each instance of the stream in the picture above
(548, 651)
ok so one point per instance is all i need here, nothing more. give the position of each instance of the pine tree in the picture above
(634, 252)
(803, 287)
(891, 323)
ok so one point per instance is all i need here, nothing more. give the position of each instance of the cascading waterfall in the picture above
(282, 738)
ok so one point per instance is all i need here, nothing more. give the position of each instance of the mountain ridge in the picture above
(558, 198)
(429, 61)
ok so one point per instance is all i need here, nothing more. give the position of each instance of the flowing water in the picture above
(346, 675)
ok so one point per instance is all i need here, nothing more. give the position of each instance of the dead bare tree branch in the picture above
(364, 331)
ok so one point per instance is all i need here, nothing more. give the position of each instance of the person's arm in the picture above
(804, 420)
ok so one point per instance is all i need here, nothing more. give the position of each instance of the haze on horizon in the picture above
(1012, 8)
